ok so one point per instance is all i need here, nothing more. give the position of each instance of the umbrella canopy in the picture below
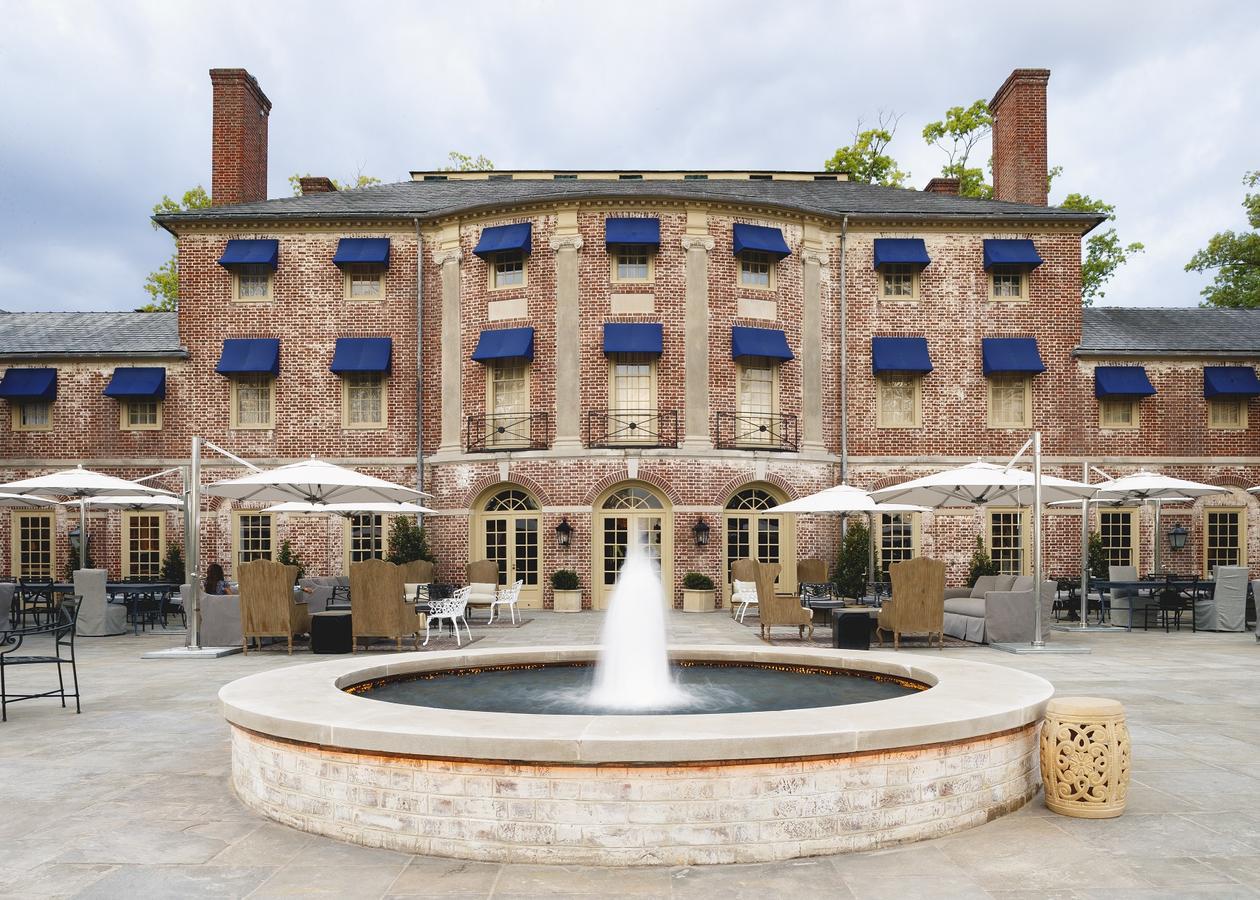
(1154, 486)
(81, 483)
(843, 498)
(139, 501)
(22, 501)
(981, 484)
(313, 481)
(347, 509)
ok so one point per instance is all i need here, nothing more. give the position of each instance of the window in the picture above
(1118, 412)
(1116, 528)
(1006, 541)
(507, 270)
(756, 270)
(251, 538)
(900, 402)
(898, 538)
(363, 400)
(1010, 401)
(253, 283)
(253, 401)
(34, 548)
(36, 416)
(364, 283)
(632, 400)
(1223, 544)
(144, 537)
(901, 281)
(140, 414)
(508, 403)
(364, 538)
(1227, 413)
(631, 263)
(757, 402)
(509, 530)
(1009, 282)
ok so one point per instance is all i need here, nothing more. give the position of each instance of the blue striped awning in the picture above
(505, 239)
(770, 343)
(505, 343)
(900, 354)
(1230, 381)
(1122, 381)
(362, 252)
(138, 383)
(761, 239)
(1011, 252)
(252, 252)
(29, 385)
(1011, 356)
(362, 354)
(901, 251)
(633, 232)
(250, 356)
(633, 337)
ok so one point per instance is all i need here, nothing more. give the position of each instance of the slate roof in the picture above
(1170, 331)
(429, 199)
(89, 333)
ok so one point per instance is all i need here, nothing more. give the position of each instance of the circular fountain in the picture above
(635, 753)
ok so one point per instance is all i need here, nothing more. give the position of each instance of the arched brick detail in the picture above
(489, 481)
(616, 478)
(1230, 481)
(741, 481)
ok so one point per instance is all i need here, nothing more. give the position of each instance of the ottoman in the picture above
(330, 632)
(1085, 757)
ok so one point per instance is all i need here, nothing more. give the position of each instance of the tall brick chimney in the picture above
(1019, 137)
(238, 158)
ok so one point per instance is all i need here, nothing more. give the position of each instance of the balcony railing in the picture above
(632, 428)
(753, 431)
(508, 431)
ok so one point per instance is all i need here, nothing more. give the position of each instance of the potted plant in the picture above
(697, 593)
(565, 591)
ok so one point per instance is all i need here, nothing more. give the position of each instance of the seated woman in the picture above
(215, 583)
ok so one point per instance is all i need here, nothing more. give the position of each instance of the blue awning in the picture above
(362, 252)
(505, 239)
(29, 385)
(635, 232)
(1122, 381)
(365, 354)
(1011, 252)
(250, 356)
(505, 343)
(904, 251)
(254, 252)
(761, 239)
(633, 337)
(770, 343)
(140, 383)
(1230, 381)
(1011, 355)
(900, 354)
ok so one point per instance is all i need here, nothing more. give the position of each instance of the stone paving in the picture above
(131, 798)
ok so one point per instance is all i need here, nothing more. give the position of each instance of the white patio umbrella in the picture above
(25, 501)
(313, 481)
(301, 507)
(139, 501)
(1156, 488)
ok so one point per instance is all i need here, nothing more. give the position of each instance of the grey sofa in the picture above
(1226, 609)
(220, 618)
(321, 590)
(999, 608)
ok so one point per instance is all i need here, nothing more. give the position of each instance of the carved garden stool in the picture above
(1085, 757)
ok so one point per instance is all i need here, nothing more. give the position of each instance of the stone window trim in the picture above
(138, 414)
(503, 271)
(1007, 535)
(885, 386)
(620, 264)
(244, 382)
(1009, 284)
(259, 544)
(357, 281)
(899, 282)
(1227, 413)
(364, 536)
(1119, 413)
(999, 382)
(351, 381)
(34, 543)
(33, 416)
(253, 284)
(1230, 523)
(757, 271)
(891, 547)
(1119, 530)
(132, 562)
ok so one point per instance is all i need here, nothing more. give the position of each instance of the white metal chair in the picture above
(452, 609)
(506, 597)
(743, 595)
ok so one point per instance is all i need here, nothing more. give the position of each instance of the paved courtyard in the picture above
(131, 799)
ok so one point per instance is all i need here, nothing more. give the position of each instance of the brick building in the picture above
(635, 355)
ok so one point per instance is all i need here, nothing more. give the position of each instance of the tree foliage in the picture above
(957, 135)
(173, 564)
(1098, 565)
(358, 181)
(981, 564)
(462, 162)
(855, 560)
(1104, 253)
(407, 542)
(1234, 257)
(865, 159)
(287, 556)
(162, 284)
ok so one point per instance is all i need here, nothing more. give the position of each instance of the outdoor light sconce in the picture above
(1177, 537)
(701, 532)
(564, 533)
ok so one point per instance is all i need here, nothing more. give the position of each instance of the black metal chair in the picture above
(34, 600)
(173, 605)
(1167, 609)
(61, 631)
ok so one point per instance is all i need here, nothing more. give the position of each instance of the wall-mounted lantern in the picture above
(701, 532)
(1177, 537)
(564, 533)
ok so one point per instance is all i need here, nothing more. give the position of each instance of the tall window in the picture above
(1010, 401)
(899, 402)
(509, 404)
(1009, 282)
(1117, 527)
(757, 402)
(364, 283)
(253, 282)
(897, 538)
(1118, 412)
(756, 270)
(631, 263)
(1006, 541)
(363, 399)
(365, 537)
(253, 401)
(142, 552)
(507, 270)
(253, 537)
(632, 399)
(36, 416)
(900, 281)
(1224, 533)
(1227, 413)
(752, 532)
(34, 547)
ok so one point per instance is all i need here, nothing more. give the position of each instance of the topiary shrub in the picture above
(981, 564)
(564, 580)
(1099, 567)
(855, 558)
(694, 581)
(407, 542)
(287, 556)
(173, 564)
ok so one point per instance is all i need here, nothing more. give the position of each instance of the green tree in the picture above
(462, 162)
(1234, 257)
(173, 564)
(981, 564)
(957, 135)
(855, 559)
(359, 181)
(1098, 565)
(1104, 253)
(865, 159)
(287, 556)
(407, 542)
(162, 284)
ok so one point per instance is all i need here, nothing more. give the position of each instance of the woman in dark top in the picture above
(214, 579)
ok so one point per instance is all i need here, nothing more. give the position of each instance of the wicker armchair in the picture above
(779, 610)
(811, 571)
(418, 571)
(917, 604)
(377, 606)
(268, 607)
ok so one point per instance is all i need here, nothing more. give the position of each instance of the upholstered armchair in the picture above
(268, 605)
(917, 604)
(779, 610)
(378, 608)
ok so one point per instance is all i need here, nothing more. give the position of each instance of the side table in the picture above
(330, 632)
(851, 627)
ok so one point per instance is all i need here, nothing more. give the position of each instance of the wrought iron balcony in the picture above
(753, 431)
(632, 428)
(508, 431)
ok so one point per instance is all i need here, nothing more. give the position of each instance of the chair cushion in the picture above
(1022, 583)
(744, 588)
(986, 583)
(482, 592)
(966, 606)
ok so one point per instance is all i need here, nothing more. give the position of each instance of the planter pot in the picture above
(567, 601)
(698, 601)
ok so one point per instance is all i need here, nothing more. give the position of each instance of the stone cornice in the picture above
(566, 242)
(697, 242)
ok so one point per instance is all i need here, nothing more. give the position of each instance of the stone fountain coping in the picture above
(308, 704)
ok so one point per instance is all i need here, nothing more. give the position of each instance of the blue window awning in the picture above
(505, 343)
(364, 354)
(901, 251)
(1011, 356)
(505, 239)
(770, 343)
(29, 385)
(1122, 381)
(362, 252)
(1230, 381)
(760, 239)
(1011, 252)
(137, 383)
(253, 252)
(633, 337)
(633, 232)
(900, 354)
(250, 356)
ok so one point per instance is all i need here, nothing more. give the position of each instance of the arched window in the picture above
(752, 498)
(752, 532)
(507, 531)
(633, 498)
(511, 500)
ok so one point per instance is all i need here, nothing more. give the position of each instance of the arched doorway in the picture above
(637, 513)
(754, 533)
(505, 529)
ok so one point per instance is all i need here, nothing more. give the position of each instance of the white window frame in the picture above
(501, 259)
(615, 410)
(239, 381)
(883, 384)
(239, 273)
(743, 439)
(749, 261)
(125, 408)
(382, 386)
(1026, 422)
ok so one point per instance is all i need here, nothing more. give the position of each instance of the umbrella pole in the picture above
(1155, 539)
(1085, 552)
(83, 535)
(193, 542)
(1037, 637)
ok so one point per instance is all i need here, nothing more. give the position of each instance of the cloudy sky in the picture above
(106, 106)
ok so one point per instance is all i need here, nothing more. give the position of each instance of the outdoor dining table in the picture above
(1192, 589)
(131, 592)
